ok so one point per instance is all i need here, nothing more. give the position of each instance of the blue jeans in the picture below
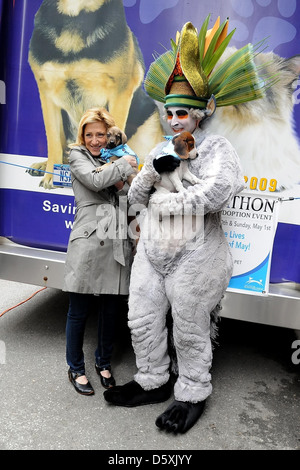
(79, 307)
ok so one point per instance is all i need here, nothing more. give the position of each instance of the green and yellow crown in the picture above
(187, 75)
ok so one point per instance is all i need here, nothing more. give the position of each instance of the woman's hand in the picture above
(131, 160)
(119, 185)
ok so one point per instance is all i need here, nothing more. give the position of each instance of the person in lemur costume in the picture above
(189, 273)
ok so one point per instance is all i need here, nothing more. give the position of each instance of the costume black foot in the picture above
(180, 416)
(132, 394)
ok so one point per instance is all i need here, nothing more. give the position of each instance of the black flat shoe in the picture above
(83, 389)
(105, 382)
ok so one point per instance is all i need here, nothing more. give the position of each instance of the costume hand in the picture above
(166, 163)
(180, 416)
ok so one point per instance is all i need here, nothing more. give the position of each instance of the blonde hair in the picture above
(90, 116)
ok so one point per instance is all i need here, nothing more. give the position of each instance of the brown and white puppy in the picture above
(116, 140)
(185, 148)
(184, 145)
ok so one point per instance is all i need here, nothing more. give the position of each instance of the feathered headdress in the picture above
(186, 75)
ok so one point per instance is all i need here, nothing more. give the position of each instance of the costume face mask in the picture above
(180, 120)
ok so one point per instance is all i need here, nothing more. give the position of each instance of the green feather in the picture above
(158, 75)
(174, 45)
(237, 80)
(201, 37)
(211, 48)
(218, 53)
(229, 67)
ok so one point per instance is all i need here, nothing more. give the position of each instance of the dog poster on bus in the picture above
(60, 57)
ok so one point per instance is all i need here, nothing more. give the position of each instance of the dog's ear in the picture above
(175, 137)
(123, 137)
(184, 135)
(180, 147)
(190, 142)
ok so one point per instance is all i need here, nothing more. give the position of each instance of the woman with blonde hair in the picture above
(97, 266)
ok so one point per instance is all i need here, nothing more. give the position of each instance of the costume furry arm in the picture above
(142, 185)
(218, 168)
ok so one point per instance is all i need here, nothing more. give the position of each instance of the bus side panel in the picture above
(34, 216)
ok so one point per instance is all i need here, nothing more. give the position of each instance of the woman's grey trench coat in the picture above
(98, 258)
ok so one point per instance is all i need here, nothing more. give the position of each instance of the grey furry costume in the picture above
(176, 266)
(190, 281)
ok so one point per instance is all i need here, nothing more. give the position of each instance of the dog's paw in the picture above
(47, 182)
(37, 169)
(195, 180)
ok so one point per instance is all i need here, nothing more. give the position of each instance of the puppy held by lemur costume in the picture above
(182, 147)
(188, 281)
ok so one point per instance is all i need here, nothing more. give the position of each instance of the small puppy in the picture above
(115, 137)
(116, 147)
(183, 146)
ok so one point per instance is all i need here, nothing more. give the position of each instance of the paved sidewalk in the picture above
(254, 405)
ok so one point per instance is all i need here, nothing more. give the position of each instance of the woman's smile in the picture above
(95, 137)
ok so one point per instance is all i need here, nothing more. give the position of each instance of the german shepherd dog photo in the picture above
(83, 54)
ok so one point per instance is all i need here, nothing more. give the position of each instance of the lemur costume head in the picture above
(187, 75)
